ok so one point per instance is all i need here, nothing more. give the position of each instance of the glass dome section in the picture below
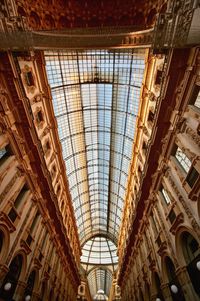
(99, 250)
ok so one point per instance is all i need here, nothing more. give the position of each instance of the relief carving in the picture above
(193, 135)
(29, 79)
(189, 213)
(9, 186)
(37, 98)
(4, 99)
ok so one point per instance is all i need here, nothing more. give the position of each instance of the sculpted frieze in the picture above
(37, 98)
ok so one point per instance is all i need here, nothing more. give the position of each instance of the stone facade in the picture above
(158, 235)
(37, 221)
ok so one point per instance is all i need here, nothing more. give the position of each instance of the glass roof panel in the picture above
(96, 97)
(99, 250)
(100, 280)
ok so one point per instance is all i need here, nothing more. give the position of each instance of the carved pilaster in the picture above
(10, 185)
(188, 211)
(19, 292)
(3, 271)
(186, 284)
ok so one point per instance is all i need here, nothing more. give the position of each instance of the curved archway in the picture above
(4, 243)
(173, 282)
(96, 285)
(31, 283)
(10, 282)
(91, 234)
(156, 286)
(191, 253)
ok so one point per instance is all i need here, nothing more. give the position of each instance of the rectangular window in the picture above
(2, 153)
(29, 240)
(172, 216)
(5, 153)
(20, 196)
(44, 240)
(12, 215)
(192, 177)
(183, 160)
(158, 241)
(40, 257)
(195, 98)
(18, 201)
(34, 222)
(165, 196)
(158, 77)
(197, 101)
(150, 116)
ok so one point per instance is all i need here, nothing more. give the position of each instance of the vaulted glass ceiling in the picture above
(100, 281)
(99, 250)
(96, 97)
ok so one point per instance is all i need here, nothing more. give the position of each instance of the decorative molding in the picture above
(194, 136)
(10, 185)
(188, 211)
(6, 221)
(30, 85)
(25, 247)
(178, 221)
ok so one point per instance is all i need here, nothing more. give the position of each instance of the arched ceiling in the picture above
(96, 97)
(99, 251)
(100, 281)
(60, 14)
(96, 100)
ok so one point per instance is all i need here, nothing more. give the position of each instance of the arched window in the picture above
(158, 287)
(9, 285)
(1, 240)
(174, 285)
(191, 252)
(30, 284)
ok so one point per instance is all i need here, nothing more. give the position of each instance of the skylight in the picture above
(99, 250)
(96, 96)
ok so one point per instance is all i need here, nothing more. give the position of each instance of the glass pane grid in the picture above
(96, 97)
(166, 196)
(183, 160)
